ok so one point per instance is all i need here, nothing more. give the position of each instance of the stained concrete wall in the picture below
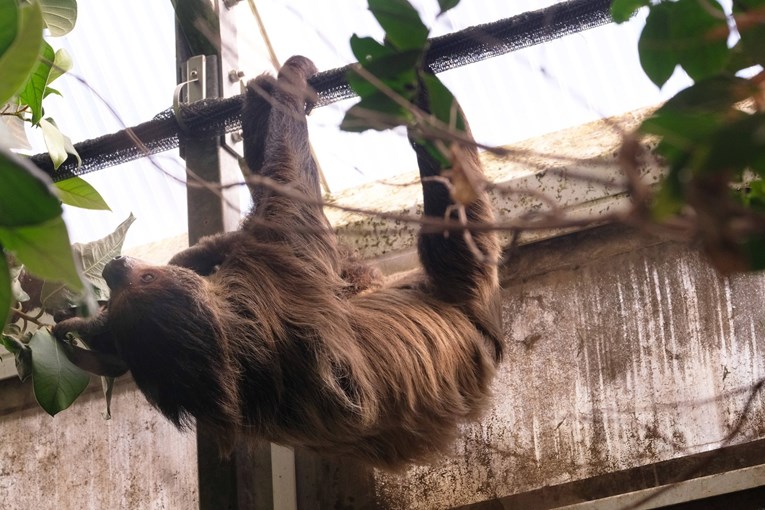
(622, 351)
(78, 460)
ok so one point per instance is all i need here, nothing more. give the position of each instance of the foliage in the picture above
(57, 382)
(34, 243)
(391, 74)
(711, 133)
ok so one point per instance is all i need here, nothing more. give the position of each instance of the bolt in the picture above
(235, 75)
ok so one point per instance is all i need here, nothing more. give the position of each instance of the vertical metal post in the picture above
(200, 39)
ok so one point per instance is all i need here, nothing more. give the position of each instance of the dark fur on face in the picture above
(273, 333)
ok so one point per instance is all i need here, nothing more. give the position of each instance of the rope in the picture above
(210, 118)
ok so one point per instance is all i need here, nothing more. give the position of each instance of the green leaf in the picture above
(443, 105)
(92, 258)
(6, 294)
(396, 71)
(9, 23)
(445, 5)
(12, 344)
(57, 381)
(59, 15)
(681, 132)
(27, 196)
(20, 58)
(367, 48)
(51, 90)
(656, 45)
(623, 10)
(34, 90)
(735, 145)
(44, 249)
(21, 352)
(700, 34)
(376, 111)
(77, 192)
(62, 63)
(401, 22)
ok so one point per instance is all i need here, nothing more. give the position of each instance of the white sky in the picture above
(126, 52)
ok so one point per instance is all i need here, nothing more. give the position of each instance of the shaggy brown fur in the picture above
(266, 333)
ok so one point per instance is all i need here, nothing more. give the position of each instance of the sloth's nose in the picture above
(115, 271)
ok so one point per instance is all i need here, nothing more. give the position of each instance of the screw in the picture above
(235, 75)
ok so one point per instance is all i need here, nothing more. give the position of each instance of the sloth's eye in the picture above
(147, 277)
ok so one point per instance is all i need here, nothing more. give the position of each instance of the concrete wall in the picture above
(78, 460)
(622, 352)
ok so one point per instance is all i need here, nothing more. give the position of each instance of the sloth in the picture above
(272, 332)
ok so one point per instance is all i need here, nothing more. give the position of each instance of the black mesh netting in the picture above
(215, 117)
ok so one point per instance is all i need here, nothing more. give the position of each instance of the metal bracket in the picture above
(195, 84)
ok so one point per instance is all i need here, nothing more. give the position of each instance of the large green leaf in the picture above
(45, 251)
(656, 46)
(9, 23)
(686, 33)
(78, 192)
(34, 90)
(20, 58)
(401, 22)
(59, 15)
(26, 194)
(57, 381)
(700, 33)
